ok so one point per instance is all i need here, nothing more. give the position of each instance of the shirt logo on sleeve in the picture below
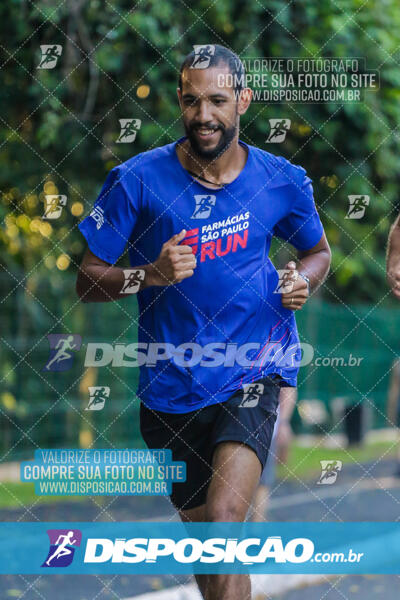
(98, 215)
(204, 204)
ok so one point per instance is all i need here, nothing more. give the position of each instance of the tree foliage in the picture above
(120, 59)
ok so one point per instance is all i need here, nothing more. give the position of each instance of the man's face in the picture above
(209, 110)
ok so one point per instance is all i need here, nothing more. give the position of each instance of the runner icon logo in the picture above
(202, 56)
(279, 129)
(63, 543)
(133, 279)
(251, 394)
(286, 282)
(54, 205)
(62, 347)
(330, 470)
(50, 55)
(357, 206)
(204, 204)
(129, 129)
(97, 397)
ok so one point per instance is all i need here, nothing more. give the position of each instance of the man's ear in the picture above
(179, 94)
(244, 100)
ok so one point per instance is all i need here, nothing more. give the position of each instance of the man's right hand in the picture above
(175, 263)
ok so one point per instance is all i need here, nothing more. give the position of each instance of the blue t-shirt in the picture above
(224, 327)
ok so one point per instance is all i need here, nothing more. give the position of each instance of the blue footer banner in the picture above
(173, 547)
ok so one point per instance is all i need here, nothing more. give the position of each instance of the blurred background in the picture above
(58, 132)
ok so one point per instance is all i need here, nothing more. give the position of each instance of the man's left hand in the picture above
(298, 295)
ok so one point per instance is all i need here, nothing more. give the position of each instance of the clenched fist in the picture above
(175, 262)
(298, 294)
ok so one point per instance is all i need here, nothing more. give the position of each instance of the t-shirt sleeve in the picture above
(108, 227)
(302, 227)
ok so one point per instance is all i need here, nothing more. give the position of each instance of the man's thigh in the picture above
(188, 436)
(196, 438)
(236, 473)
(251, 423)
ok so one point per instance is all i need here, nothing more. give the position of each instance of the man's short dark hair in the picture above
(221, 55)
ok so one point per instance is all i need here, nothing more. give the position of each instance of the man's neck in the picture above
(221, 170)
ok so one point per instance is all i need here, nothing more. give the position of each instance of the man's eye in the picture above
(219, 102)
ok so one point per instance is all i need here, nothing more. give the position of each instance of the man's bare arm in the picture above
(314, 264)
(99, 281)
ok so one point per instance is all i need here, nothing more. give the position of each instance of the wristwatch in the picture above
(306, 280)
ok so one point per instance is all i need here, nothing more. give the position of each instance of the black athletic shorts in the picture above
(248, 416)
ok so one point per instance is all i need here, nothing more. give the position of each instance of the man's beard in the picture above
(227, 135)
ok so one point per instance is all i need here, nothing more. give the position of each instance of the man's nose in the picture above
(204, 111)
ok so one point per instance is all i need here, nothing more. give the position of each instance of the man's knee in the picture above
(193, 515)
(225, 511)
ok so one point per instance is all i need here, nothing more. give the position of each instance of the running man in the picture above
(208, 292)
